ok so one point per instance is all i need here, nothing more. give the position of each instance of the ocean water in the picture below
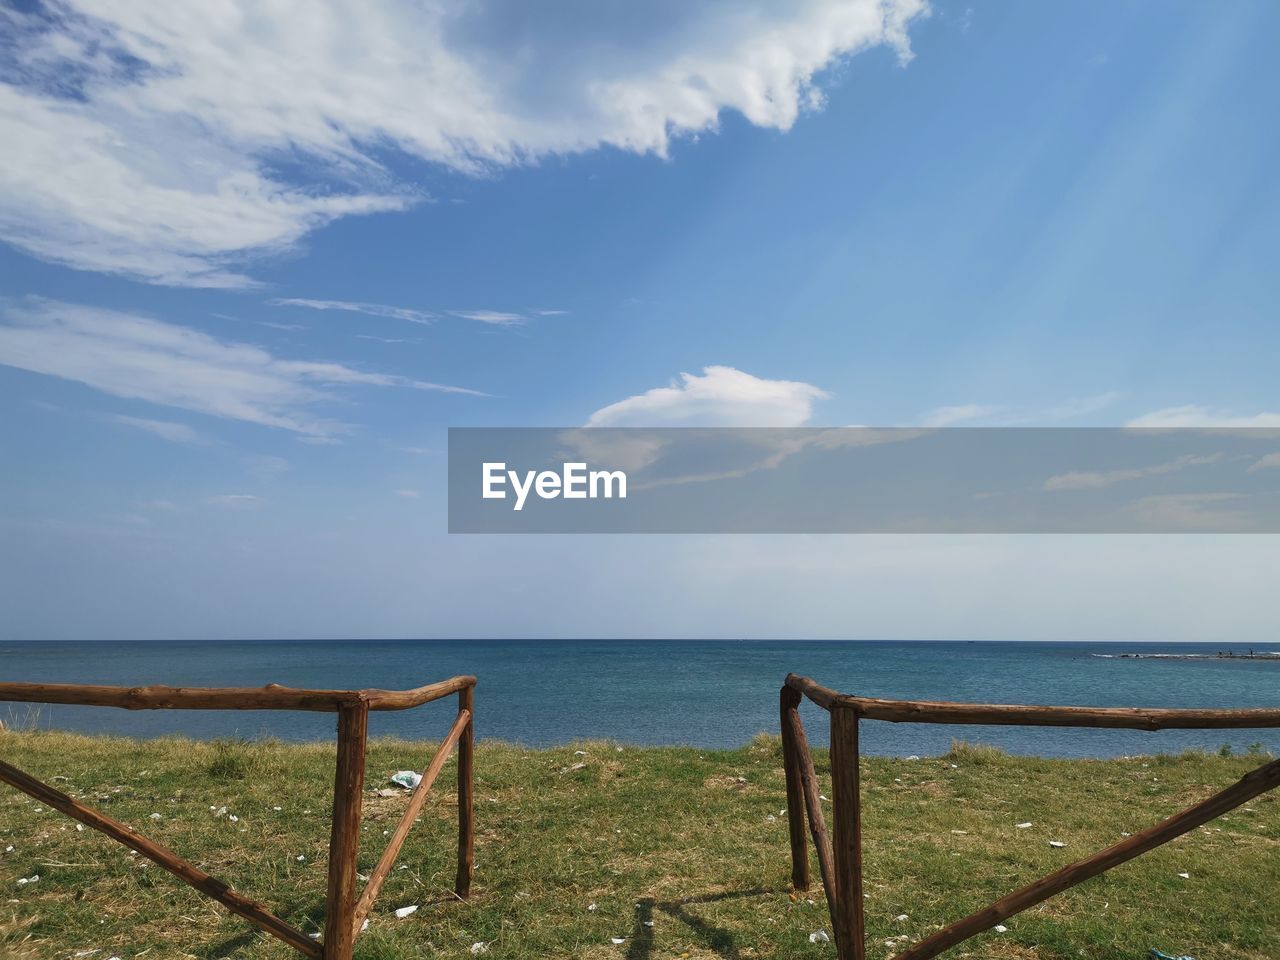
(701, 693)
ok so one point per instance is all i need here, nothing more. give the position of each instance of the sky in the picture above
(256, 258)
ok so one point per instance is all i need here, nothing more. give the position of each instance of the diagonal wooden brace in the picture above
(419, 797)
(1252, 784)
(256, 913)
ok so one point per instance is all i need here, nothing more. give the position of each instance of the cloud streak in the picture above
(140, 358)
(369, 309)
(1194, 415)
(1087, 480)
(165, 429)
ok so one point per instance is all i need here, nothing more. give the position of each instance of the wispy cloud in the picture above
(1194, 415)
(368, 336)
(133, 356)
(497, 318)
(1270, 462)
(949, 416)
(369, 309)
(165, 429)
(1015, 416)
(140, 137)
(1086, 480)
(407, 494)
(720, 397)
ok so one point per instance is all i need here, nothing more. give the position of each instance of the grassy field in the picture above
(677, 852)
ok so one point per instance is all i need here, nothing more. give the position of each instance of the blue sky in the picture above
(740, 213)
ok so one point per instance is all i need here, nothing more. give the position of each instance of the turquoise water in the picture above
(709, 694)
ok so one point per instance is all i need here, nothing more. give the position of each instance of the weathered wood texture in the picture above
(1249, 786)
(846, 809)
(788, 704)
(1004, 714)
(812, 797)
(271, 697)
(401, 832)
(344, 836)
(466, 794)
(343, 913)
(256, 913)
(846, 712)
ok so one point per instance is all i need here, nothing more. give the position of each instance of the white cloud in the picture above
(1193, 511)
(949, 416)
(721, 397)
(1193, 415)
(133, 356)
(167, 429)
(1084, 480)
(1003, 416)
(371, 309)
(497, 318)
(143, 139)
(407, 494)
(1270, 461)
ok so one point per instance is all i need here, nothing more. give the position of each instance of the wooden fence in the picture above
(840, 854)
(344, 911)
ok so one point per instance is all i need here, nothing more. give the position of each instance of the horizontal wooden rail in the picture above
(343, 912)
(256, 913)
(844, 896)
(1004, 714)
(271, 697)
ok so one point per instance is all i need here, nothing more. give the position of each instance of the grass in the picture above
(682, 852)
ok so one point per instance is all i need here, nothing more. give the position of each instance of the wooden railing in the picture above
(344, 912)
(840, 853)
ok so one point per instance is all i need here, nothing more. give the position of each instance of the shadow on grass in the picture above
(716, 938)
(295, 914)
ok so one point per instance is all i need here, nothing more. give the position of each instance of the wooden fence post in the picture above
(847, 813)
(466, 795)
(344, 839)
(788, 703)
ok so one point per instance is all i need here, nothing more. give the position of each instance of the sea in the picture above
(705, 694)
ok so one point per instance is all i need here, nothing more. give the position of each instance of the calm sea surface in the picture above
(709, 694)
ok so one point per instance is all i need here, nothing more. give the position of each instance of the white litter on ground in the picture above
(617, 940)
(819, 936)
(1057, 844)
(900, 917)
(1185, 876)
(1000, 928)
(406, 778)
(479, 947)
(23, 881)
(405, 911)
(1023, 826)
